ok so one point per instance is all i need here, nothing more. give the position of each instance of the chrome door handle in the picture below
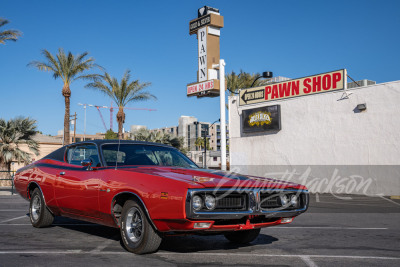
(62, 173)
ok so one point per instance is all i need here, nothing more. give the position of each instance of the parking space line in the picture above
(59, 224)
(13, 219)
(14, 210)
(102, 246)
(276, 227)
(279, 255)
(196, 253)
(327, 227)
(391, 201)
(357, 204)
(308, 261)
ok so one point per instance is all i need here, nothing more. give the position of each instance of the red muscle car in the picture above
(149, 190)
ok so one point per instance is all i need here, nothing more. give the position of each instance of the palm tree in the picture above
(159, 137)
(122, 93)
(69, 68)
(200, 143)
(13, 134)
(241, 81)
(8, 35)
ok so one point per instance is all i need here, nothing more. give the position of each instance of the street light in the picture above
(205, 140)
(84, 123)
(265, 74)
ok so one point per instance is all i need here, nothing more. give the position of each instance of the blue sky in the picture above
(291, 38)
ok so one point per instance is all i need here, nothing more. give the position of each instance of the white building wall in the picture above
(322, 133)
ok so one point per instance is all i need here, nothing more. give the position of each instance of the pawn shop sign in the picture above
(320, 83)
(207, 27)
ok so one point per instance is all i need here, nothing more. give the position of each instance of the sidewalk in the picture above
(6, 191)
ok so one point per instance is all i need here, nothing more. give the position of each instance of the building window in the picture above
(215, 158)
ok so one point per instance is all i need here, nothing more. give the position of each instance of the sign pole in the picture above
(222, 109)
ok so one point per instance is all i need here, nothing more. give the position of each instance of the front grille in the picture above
(231, 202)
(227, 201)
(246, 202)
(272, 200)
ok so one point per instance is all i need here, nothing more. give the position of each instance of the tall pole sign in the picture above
(202, 39)
(211, 71)
(207, 28)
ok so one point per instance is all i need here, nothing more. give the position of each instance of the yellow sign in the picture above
(260, 118)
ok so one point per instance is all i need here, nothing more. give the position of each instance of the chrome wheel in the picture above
(134, 225)
(36, 207)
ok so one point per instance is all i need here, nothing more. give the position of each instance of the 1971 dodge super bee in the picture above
(149, 190)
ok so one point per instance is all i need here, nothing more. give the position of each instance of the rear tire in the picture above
(39, 215)
(138, 236)
(243, 237)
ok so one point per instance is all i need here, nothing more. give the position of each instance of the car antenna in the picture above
(116, 160)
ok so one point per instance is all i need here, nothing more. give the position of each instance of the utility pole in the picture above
(74, 119)
(205, 148)
(84, 122)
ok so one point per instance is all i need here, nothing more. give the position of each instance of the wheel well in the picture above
(118, 204)
(31, 187)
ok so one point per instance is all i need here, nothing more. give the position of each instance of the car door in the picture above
(77, 187)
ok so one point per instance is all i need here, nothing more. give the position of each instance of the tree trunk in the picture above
(66, 92)
(121, 121)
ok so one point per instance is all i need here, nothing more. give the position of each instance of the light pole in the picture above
(265, 74)
(84, 123)
(221, 67)
(222, 109)
(205, 142)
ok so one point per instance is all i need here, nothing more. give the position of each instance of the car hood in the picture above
(215, 178)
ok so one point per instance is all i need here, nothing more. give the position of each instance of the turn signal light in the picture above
(202, 225)
(286, 220)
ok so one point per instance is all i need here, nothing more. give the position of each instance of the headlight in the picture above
(210, 202)
(284, 200)
(294, 201)
(197, 203)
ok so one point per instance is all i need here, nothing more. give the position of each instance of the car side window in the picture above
(76, 154)
(169, 158)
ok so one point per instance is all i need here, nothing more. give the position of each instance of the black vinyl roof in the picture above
(113, 141)
(59, 153)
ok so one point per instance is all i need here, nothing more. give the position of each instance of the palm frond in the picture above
(8, 35)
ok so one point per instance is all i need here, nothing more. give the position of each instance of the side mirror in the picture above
(87, 163)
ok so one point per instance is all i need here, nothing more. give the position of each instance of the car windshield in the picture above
(138, 154)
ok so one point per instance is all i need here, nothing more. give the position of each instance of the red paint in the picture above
(307, 86)
(336, 77)
(326, 82)
(267, 92)
(316, 84)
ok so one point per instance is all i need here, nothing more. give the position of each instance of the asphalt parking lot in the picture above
(333, 232)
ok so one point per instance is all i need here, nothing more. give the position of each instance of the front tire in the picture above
(138, 236)
(243, 237)
(39, 215)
